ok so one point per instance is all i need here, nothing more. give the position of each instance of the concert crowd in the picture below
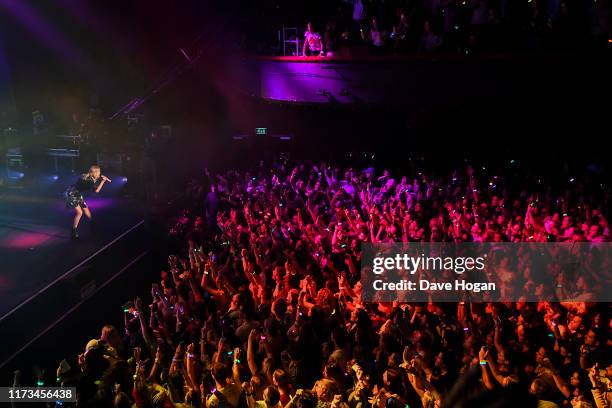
(260, 305)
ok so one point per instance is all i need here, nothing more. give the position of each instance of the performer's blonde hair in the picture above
(91, 168)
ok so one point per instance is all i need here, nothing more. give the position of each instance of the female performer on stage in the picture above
(91, 180)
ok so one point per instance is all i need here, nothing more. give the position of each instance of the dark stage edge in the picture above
(43, 273)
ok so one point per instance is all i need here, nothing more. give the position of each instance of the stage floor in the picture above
(35, 244)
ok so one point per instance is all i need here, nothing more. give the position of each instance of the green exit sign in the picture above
(261, 131)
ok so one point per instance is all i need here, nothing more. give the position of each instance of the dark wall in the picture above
(127, 49)
(69, 55)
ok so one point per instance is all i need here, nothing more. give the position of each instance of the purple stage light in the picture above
(37, 26)
(99, 202)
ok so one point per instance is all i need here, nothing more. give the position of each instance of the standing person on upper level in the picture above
(312, 42)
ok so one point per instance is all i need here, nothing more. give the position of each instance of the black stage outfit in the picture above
(74, 193)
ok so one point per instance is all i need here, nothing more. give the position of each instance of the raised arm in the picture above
(251, 352)
(484, 368)
(156, 363)
(236, 365)
(104, 180)
(144, 329)
(190, 364)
